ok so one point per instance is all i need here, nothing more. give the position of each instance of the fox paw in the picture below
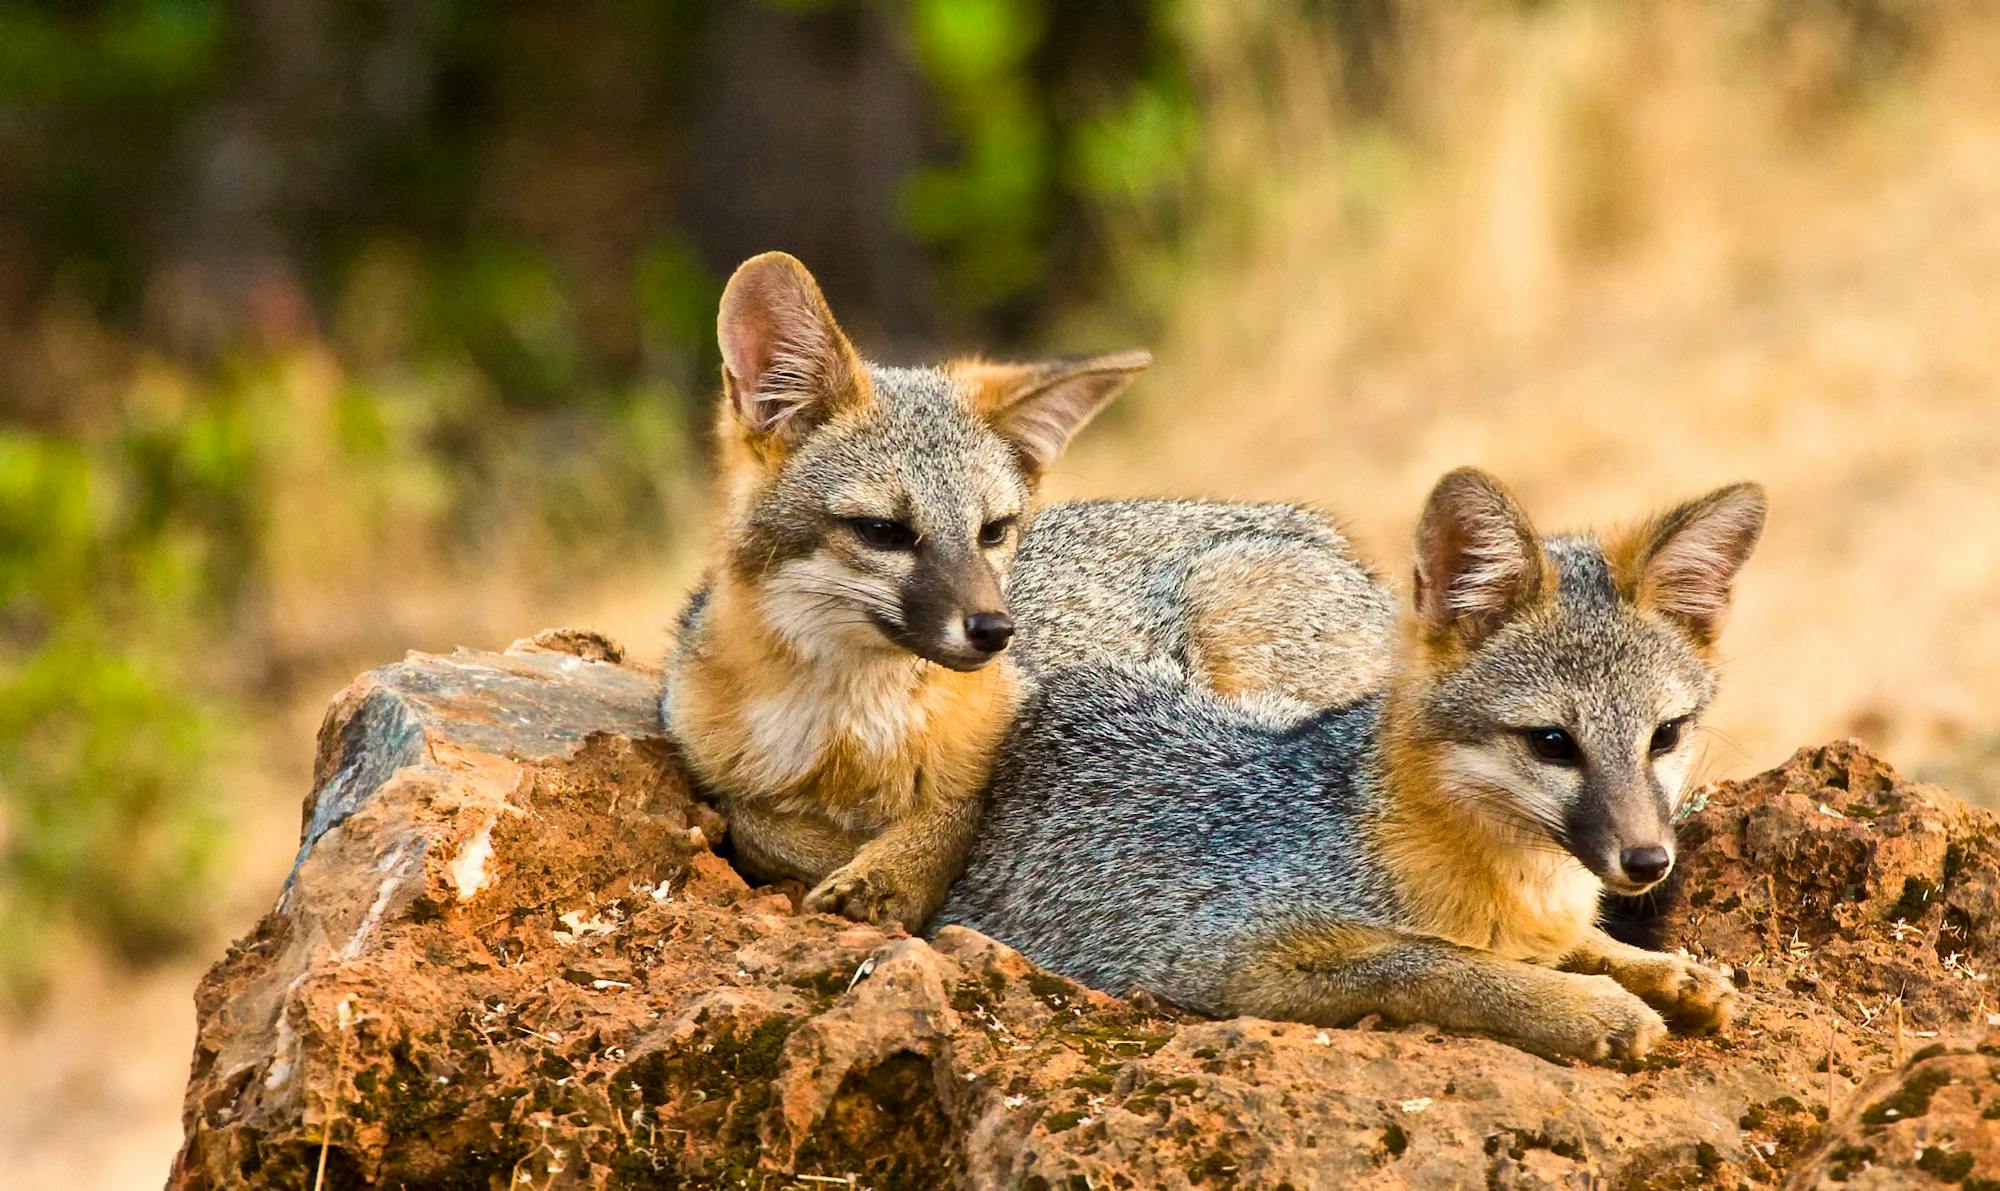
(1605, 1024)
(1696, 999)
(860, 895)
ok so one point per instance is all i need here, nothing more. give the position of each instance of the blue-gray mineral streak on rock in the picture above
(530, 705)
(379, 739)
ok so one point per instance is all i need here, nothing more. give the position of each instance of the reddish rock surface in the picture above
(508, 958)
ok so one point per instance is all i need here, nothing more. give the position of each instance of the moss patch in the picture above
(1913, 1099)
(1848, 1161)
(1946, 1166)
(883, 1128)
(1395, 1140)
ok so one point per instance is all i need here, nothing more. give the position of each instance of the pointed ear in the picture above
(1683, 563)
(1479, 561)
(786, 366)
(1040, 407)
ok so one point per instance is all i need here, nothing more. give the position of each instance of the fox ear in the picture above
(786, 365)
(1040, 407)
(1683, 563)
(1479, 561)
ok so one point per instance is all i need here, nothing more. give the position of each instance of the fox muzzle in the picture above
(1622, 833)
(954, 614)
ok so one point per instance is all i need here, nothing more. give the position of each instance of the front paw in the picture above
(861, 895)
(1698, 1000)
(1601, 1023)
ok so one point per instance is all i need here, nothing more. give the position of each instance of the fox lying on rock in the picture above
(1434, 852)
(831, 686)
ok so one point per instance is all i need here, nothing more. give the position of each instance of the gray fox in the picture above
(1433, 851)
(831, 684)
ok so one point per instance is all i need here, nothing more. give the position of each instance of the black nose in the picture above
(1645, 865)
(989, 631)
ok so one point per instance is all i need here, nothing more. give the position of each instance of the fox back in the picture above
(1245, 599)
(1140, 826)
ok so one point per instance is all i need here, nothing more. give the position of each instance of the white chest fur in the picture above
(871, 704)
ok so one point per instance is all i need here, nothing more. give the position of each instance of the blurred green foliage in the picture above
(101, 743)
(1043, 131)
(990, 207)
(158, 579)
(138, 49)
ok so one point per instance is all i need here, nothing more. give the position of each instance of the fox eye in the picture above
(1554, 746)
(1667, 737)
(994, 533)
(880, 534)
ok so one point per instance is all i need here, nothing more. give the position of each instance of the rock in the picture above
(1930, 1121)
(507, 957)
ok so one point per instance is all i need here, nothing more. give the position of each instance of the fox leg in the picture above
(1335, 973)
(1696, 998)
(771, 846)
(901, 875)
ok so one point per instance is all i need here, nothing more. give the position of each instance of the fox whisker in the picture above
(1534, 830)
(830, 600)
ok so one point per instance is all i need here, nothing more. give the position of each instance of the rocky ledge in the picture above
(507, 957)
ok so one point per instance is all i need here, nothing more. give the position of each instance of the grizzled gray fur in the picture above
(1097, 580)
(1138, 827)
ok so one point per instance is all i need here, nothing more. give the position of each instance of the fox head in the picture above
(878, 508)
(1559, 678)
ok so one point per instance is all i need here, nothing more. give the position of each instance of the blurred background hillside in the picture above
(329, 330)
